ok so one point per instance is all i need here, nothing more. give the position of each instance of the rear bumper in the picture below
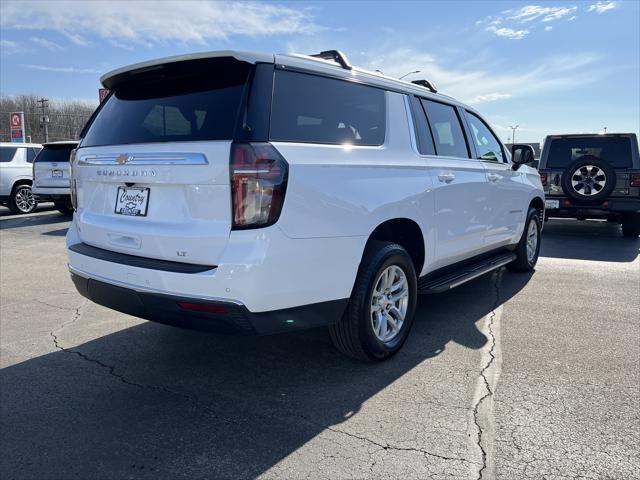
(55, 191)
(224, 316)
(268, 276)
(613, 206)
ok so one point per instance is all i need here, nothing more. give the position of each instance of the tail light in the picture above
(202, 307)
(258, 184)
(72, 180)
(634, 180)
(543, 179)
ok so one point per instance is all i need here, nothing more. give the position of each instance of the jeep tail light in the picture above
(543, 179)
(72, 180)
(258, 184)
(635, 180)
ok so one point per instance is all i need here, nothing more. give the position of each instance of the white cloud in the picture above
(602, 7)
(530, 13)
(509, 33)
(490, 97)
(48, 68)
(48, 44)
(147, 23)
(9, 47)
(491, 83)
(548, 28)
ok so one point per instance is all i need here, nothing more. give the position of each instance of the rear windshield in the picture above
(54, 154)
(181, 102)
(309, 108)
(613, 150)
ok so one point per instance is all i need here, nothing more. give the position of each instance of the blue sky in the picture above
(550, 67)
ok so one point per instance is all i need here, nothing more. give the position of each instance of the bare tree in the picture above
(66, 117)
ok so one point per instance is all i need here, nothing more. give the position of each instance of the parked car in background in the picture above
(51, 174)
(255, 193)
(593, 176)
(16, 176)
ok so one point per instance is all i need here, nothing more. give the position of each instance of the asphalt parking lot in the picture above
(509, 376)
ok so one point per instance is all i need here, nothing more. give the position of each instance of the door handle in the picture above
(494, 177)
(446, 177)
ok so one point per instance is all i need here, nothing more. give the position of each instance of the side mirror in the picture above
(521, 154)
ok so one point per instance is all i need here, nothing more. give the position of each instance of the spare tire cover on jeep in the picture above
(588, 179)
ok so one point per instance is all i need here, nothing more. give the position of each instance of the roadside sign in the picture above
(16, 121)
(102, 94)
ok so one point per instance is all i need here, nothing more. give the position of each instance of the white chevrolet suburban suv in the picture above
(253, 193)
(51, 173)
(16, 176)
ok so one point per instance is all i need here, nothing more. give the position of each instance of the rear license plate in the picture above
(132, 201)
(56, 173)
(552, 204)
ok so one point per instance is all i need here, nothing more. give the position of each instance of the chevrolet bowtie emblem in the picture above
(122, 159)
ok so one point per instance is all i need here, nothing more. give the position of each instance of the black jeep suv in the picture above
(593, 176)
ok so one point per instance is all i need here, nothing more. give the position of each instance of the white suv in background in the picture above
(252, 193)
(16, 176)
(51, 174)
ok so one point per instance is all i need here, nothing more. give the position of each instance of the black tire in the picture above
(354, 333)
(631, 225)
(22, 200)
(64, 207)
(607, 188)
(523, 262)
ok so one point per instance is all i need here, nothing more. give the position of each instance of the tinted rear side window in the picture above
(31, 154)
(309, 108)
(181, 102)
(48, 154)
(614, 150)
(6, 154)
(447, 130)
(423, 131)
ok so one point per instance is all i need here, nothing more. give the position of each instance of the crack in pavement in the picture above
(488, 391)
(42, 302)
(385, 446)
(111, 369)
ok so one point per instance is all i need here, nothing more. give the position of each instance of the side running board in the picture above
(451, 280)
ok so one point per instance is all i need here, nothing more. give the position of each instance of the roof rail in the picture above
(426, 84)
(335, 55)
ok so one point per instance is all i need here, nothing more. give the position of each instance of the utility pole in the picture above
(605, 129)
(44, 120)
(513, 134)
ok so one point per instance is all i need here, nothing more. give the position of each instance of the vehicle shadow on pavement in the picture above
(61, 232)
(152, 401)
(30, 220)
(566, 239)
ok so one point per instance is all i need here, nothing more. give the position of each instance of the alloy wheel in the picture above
(389, 303)
(24, 199)
(532, 240)
(588, 180)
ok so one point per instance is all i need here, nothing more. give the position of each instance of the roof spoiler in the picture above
(335, 55)
(426, 84)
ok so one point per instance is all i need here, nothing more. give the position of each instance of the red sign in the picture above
(102, 94)
(16, 120)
